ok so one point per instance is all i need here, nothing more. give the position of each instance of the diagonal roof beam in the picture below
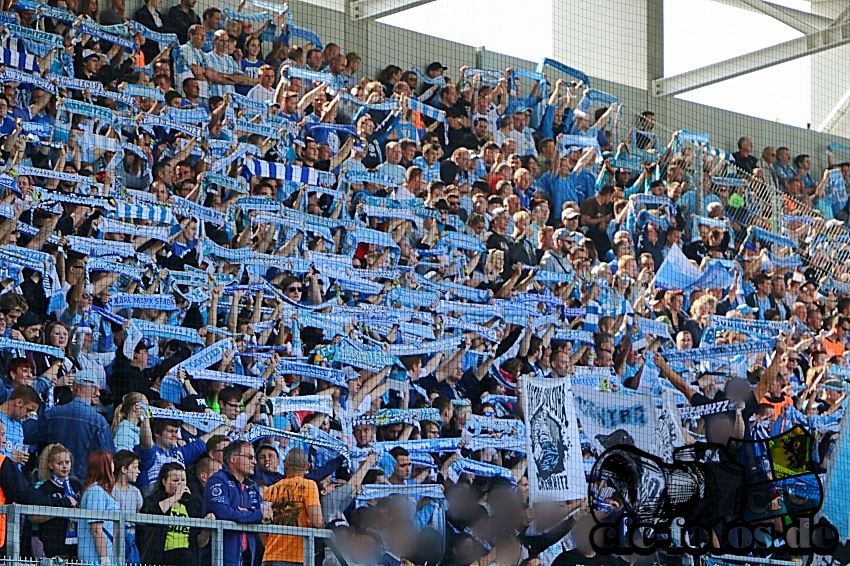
(782, 14)
(796, 18)
(756, 61)
(373, 9)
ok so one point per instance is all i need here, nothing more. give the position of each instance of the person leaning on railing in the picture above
(231, 495)
(171, 544)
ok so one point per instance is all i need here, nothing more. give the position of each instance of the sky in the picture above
(697, 33)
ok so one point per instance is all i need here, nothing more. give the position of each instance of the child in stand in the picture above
(58, 536)
(129, 498)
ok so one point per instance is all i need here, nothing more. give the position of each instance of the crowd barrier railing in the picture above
(15, 515)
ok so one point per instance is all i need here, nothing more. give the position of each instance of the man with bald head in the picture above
(295, 503)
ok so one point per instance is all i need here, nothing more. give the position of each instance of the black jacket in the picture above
(144, 17)
(151, 540)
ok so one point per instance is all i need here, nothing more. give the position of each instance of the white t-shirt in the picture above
(261, 93)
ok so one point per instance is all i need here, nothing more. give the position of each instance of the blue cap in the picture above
(746, 309)
(87, 378)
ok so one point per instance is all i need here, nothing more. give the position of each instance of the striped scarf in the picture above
(157, 37)
(109, 226)
(144, 91)
(95, 30)
(430, 112)
(192, 131)
(560, 67)
(306, 34)
(260, 17)
(14, 75)
(302, 175)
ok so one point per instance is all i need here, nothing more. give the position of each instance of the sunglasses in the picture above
(295, 289)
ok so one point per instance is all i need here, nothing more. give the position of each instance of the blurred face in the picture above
(175, 480)
(268, 460)
(604, 359)
(59, 336)
(402, 467)
(540, 214)
(449, 96)
(192, 88)
(294, 291)
(267, 78)
(60, 465)
(684, 340)
(430, 430)
(560, 363)
(231, 408)
(363, 434)
(159, 191)
(32, 333)
(169, 436)
(132, 471)
(243, 462)
(675, 301)
(816, 320)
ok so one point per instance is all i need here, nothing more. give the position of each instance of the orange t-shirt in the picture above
(290, 498)
(833, 348)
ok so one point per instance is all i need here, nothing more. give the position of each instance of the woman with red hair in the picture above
(95, 538)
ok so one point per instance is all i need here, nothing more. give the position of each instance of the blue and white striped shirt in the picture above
(226, 66)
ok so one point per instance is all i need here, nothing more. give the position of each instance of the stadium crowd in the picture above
(247, 277)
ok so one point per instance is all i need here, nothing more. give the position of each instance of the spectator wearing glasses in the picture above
(240, 408)
(216, 446)
(231, 495)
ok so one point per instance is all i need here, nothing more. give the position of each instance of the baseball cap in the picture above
(193, 404)
(561, 234)
(28, 319)
(746, 309)
(143, 344)
(338, 525)
(350, 373)
(437, 66)
(86, 377)
(89, 53)
(498, 211)
(571, 213)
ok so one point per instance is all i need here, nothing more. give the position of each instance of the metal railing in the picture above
(15, 514)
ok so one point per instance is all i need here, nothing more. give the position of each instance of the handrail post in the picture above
(120, 542)
(13, 534)
(309, 549)
(218, 546)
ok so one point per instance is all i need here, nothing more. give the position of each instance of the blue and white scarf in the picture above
(305, 403)
(228, 378)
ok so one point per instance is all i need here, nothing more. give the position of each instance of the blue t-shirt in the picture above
(251, 70)
(14, 436)
(156, 457)
(95, 499)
